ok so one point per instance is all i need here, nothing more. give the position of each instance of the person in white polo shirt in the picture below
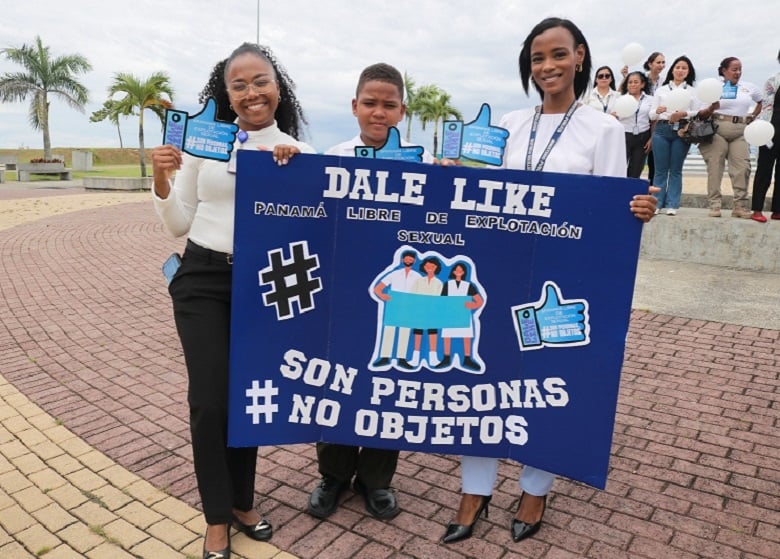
(732, 113)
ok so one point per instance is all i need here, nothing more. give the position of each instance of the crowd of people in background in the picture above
(653, 138)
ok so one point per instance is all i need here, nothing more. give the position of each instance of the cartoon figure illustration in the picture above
(455, 286)
(429, 284)
(400, 280)
(423, 303)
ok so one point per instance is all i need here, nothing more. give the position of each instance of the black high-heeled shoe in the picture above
(457, 532)
(522, 530)
(222, 553)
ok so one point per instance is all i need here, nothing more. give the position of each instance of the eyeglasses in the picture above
(260, 86)
(604, 76)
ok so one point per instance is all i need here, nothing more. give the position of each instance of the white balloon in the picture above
(677, 100)
(633, 53)
(625, 106)
(759, 132)
(709, 90)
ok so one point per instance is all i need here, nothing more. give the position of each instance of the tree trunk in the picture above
(44, 118)
(141, 153)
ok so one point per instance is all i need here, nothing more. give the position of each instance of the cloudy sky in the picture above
(468, 48)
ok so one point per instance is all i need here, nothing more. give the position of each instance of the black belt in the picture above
(208, 254)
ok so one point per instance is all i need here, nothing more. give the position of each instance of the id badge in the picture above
(636, 130)
(729, 91)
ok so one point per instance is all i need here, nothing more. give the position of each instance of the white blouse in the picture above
(202, 200)
(593, 143)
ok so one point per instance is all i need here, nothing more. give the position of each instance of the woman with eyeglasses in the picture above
(251, 89)
(603, 95)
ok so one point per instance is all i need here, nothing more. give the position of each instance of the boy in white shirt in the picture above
(378, 105)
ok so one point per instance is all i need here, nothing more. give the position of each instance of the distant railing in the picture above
(695, 165)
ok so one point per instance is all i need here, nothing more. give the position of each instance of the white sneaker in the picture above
(671, 211)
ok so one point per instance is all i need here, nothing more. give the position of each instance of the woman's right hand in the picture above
(166, 160)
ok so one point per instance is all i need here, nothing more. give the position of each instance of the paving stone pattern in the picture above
(87, 335)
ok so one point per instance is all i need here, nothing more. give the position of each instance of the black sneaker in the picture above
(405, 365)
(325, 497)
(469, 363)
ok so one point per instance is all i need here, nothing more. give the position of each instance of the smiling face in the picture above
(554, 58)
(634, 84)
(378, 106)
(733, 72)
(680, 71)
(253, 91)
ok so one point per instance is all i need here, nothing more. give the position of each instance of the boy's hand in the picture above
(446, 162)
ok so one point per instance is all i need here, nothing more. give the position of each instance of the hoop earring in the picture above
(231, 108)
(578, 67)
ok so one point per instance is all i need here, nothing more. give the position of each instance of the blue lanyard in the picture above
(553, 140)
(638, 106)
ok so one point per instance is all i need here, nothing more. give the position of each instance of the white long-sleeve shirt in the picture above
(202, 199)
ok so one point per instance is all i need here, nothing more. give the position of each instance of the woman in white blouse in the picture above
(561, 136)
(732, 113)
(669, 150)
(602, 96)
(638, 126)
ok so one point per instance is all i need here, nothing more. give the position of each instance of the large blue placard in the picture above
(437, 309)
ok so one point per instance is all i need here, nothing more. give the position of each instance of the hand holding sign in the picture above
(553, 321)
(478, 140)
(200, 135)
(392, 149)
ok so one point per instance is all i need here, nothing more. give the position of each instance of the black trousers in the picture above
(767, 159)
(372, 466)
(200, 291)
(635, 153)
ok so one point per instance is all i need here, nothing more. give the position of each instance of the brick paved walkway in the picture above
(87, 335)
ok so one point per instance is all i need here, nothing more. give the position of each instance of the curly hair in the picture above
(289, 114)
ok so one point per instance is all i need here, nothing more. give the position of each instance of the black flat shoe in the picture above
(380, 503)
(457, 532)
(262, 531)
(522, 530)
(221, 554)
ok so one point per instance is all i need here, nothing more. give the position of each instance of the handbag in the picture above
(698, 130)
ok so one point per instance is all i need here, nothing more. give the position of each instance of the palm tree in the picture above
(411, 97)
(111, 110)
(44, 76)
(139, 95)
(434, 107)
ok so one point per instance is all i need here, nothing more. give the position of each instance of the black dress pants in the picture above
(374, 467)
(200, 291)
(768, 158)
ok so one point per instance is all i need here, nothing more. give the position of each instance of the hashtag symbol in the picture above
(291, 280)
(267, 408)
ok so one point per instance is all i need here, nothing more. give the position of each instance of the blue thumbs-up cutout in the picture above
(201, 135)
(552, 321)
(478, 140)
(392, 149)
